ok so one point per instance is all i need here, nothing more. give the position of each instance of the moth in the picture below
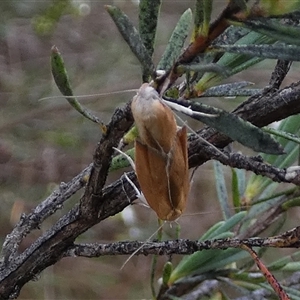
(161, 158)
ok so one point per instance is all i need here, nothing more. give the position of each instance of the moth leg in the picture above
(139, 195)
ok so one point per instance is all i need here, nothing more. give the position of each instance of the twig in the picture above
(289, 239)
(45, 209)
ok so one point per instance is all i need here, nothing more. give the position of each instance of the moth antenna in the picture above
(130, 160)
(88, 95)
(123, 188)
(137, 250)
(139, 195)
(188, 111)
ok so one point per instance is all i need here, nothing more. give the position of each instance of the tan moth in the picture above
(161, 158)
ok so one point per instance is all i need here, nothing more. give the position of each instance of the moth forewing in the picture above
(160, 155)
(179, 171)
(154, 119)
(152, 175)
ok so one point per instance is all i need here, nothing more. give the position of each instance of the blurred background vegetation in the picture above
(45, 141)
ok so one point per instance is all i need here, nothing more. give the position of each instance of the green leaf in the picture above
(132, 37)
(176, 41)
(120, 161)
(294, 202)
(235, 189)
(198, 19)
(46, 22)
(280, 263)
(279, 51)
(202, 68)
(231, 125)
(231, 90)
(222, 259)
(234, 63)
(203, 10)
(257, 184)
(289, 125)
(210, 233)
(148, 16)
(274, 29)
(167, 271)
(286, 135)
(221, 189)
(61, 79)
(191, 263)
(229, 224)
(278, 7)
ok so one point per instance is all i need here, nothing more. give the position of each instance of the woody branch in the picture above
(261, 110)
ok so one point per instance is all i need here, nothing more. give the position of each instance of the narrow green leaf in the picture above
(44, 23)
(222, 259)
(295, 202)
(229, 224)
(148, 16)
(221, 190)
(207, 10)
(210, 233)
(198, 19)
(234, 63)
(203, 10)
(61, 79)
(120, 162)
(291, 267)
(203, 68)
(233, 126)
(280, 133)
(278, 51)
(231, 90)
(254, 277)
(274, 29)
(257, 184)
(132, 37)
(280, 263)
(224, 226)
(278, 7)
(190, 264)
(231, 93)
(235, 190)
(289, 125)
(167, 271)
(176, 41)
(241, 174)
(238, 63)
